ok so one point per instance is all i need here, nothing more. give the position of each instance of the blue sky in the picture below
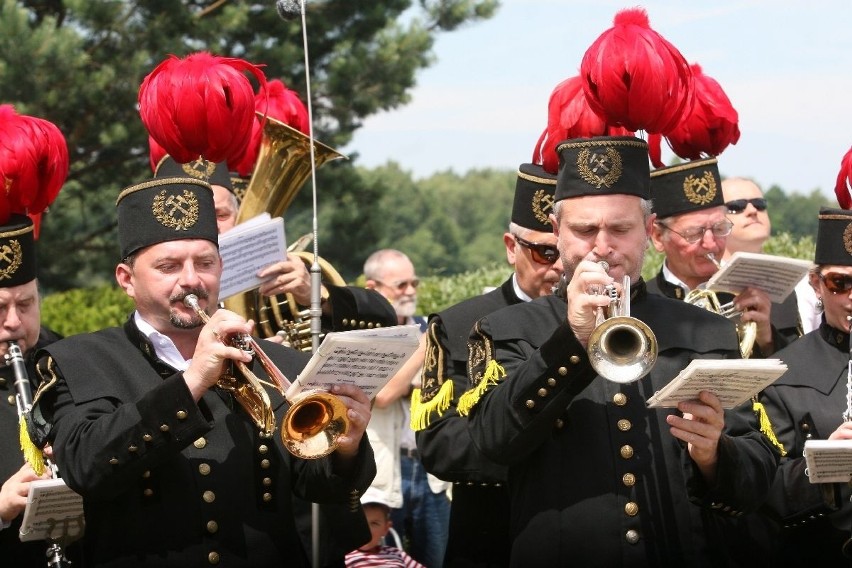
(785, 65)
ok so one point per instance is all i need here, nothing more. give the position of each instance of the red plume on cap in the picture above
(33, 164)
(635, 78)
(569, 116)
(202, 105)
(844, 179)
(711, 126)
(280, 103)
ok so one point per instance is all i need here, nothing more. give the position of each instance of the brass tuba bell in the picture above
(621, 348)
(283, 165)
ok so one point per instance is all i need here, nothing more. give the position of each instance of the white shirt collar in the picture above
(163, 345)
(518, 292)
(671, 278)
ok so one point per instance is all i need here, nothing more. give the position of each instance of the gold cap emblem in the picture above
(178, 212)
(199, 169)
(542, 206)
(700, 190)
(11, 257)
(599, 169)
(847, 238)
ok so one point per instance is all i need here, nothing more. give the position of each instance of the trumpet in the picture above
(709, 300)
(621, 348)
(313, 424)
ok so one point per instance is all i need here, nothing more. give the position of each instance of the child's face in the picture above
(377, 519)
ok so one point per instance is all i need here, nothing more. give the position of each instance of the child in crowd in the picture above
(374, 553)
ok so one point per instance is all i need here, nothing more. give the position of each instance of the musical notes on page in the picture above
(248, 248)
(776, 275)
(829, 461)
(734, 381)
(54, 512)
(367, 358)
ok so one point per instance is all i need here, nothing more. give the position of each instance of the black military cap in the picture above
(165, 209)
(533, 203)
(239, 185)
(17, 252)
(834, 237)
(603, 165)
(690, 186)
(205, 170)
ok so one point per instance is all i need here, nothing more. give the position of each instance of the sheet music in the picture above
(367, 358)
(246, 249)
(829, 461)
(734, 381)
(53, 512)
(776, 275)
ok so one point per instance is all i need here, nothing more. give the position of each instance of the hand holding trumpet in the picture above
(586, 297)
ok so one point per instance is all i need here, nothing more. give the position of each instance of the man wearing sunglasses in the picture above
(691, 230)
(747, 210)
(595, 477)
(479, 515)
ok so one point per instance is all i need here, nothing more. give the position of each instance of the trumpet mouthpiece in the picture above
(604, 264)
(712, 258)
(190, 301)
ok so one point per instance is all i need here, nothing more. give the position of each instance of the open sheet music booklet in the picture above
(53, 512)
(246, 249)
(829, 461)
(367, 358)
(776, 275)
(734, 381)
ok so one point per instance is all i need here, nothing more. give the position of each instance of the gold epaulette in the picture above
(766, 425)
(421, 412)
(493, 373)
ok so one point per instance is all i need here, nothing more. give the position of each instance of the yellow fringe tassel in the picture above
(766, 425)
(421, 412)
(493, 373)
(32, 454)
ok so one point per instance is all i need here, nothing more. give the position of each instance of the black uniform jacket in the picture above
(596, 478)
(168, 482)
(357, 308)
(808, 403)
(12, 551)
(784, 317)
(479, 515)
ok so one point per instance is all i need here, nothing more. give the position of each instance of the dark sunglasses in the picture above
(401, 285)
(540, 253)
(737, 206)
(836, 283)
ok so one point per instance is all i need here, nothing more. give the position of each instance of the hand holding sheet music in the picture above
(246, 249)
(829, 461)
(734, 381)
(54, 512)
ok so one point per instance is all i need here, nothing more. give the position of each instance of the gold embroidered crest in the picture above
(847, 238)
(476, 355)
(11, 257)
(700, 190)
(178, 212)
(599, 169)
(542, 206)
(199, 169)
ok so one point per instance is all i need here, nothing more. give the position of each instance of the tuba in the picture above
(709, 300)
(621, 348)
(313, 423)
(283, 165)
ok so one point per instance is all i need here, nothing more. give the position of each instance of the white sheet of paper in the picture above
(246, 249)
(53, 512)
(776, 275)
(734, 381)
(829, 461)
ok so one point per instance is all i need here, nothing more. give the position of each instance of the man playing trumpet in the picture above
(171, 469)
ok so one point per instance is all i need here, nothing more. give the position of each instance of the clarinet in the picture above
(24, 401)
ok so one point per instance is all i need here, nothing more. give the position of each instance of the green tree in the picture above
(795, 214)
(79, 64)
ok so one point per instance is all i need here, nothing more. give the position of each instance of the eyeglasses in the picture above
(540, 253)
(401, 285)
(836, 282)
(694, 234)
(737, 206)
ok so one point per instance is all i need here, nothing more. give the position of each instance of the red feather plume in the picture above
(711, 126)
(844, 179)
(280, 103)
(33, 164)
(569, 116)
(202, 105)
(633, 77)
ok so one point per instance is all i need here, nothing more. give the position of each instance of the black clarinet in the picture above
(24, 401)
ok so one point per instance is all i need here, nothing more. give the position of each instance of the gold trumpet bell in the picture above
(313, 424)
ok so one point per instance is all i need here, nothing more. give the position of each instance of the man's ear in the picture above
(123, 276)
